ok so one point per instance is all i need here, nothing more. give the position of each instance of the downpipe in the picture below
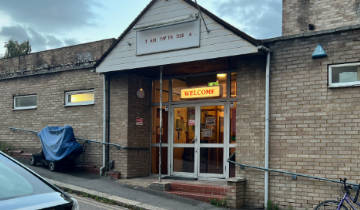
(105, 88)
(267, 117)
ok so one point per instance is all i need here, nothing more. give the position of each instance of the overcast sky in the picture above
(51, 24)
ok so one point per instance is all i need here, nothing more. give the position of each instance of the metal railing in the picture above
(86, 141)
(292, 174)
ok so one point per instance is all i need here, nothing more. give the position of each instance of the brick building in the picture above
(304, 16)
(34, 87)
(217, 99)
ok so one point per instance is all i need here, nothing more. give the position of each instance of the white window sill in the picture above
(25, 108)
(82, 104)
(348, 84)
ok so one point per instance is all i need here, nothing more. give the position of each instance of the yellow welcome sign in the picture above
(201, 92)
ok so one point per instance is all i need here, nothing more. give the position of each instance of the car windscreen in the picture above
(15, 181)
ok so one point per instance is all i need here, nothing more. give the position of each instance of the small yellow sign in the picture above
(201, 92)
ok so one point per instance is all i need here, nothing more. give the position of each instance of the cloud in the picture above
(15, 33)
(259, 18)
(38, 41)
(70, 42)
(43, 22)
(51, 16)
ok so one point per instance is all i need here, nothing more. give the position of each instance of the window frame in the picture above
(341, 84)
(24, 107)
(69, 93)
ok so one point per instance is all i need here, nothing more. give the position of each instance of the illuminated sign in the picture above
(201, 92)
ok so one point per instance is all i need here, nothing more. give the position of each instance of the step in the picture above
(198, 196)
(198, 188)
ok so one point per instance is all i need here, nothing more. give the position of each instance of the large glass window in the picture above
(233, 123)
(233, 85)
(211, 160)
(155, 160)
(156, 139)
(156, 125)
(212, 125)
(184, 160)
(25, 102)
(200, 87)
(184, 125)
(156, 91)
(343, 75)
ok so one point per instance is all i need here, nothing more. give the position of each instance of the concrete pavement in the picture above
(124, 195)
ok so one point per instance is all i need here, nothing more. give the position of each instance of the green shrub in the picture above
(4, 147)
(271, 206)
(218, 202)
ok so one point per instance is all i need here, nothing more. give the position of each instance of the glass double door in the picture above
(198, 144)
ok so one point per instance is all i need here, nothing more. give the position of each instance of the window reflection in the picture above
(233, 123)
(155, 160)
(212, 125)
(233, 85)
(156, 125)
(184, 160)
(184, 125)
(156, 91)
(211, 160)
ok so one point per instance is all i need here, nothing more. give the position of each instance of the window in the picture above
(25, 102)
(78, 98)
(195, 85)
(344, 75)
(156, 91)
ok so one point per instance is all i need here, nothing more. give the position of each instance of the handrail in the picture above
(86, 141)
(294, 175)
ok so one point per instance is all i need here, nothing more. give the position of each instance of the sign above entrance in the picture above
(201, 92)
(168, 37)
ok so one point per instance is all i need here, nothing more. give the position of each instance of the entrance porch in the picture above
(223, 193)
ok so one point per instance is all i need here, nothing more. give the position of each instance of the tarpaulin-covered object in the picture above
(59, 142)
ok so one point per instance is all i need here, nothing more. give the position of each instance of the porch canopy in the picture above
(175, 31)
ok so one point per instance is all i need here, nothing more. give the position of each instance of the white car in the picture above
(21, 188)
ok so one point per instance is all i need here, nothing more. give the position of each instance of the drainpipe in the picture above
(105, 88)
(267, 117)
(161, 122)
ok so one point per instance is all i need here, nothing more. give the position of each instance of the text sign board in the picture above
(167, 38)
(139, 121)
(201, 92)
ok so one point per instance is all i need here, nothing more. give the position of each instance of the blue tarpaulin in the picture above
(58, 142)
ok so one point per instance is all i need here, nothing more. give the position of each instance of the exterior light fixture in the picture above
(140, 93)
(221, 76)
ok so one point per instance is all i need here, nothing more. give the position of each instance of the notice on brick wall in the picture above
(139, 121)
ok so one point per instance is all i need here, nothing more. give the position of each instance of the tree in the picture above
(14, 48)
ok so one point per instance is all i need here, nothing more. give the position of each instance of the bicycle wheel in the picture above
(327, 205)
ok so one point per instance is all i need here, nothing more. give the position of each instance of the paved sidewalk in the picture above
(123, 194)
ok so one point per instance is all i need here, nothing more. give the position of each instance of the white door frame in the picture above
(197, 145)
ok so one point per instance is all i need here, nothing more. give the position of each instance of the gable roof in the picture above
(226, 25)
